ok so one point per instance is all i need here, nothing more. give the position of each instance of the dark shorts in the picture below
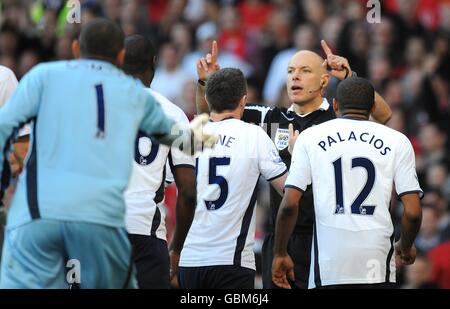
(151, 258)
(216, 277)
(299, 249)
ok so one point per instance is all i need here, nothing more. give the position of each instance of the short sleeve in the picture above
(405, 175)
(269, 161)
(300, 169)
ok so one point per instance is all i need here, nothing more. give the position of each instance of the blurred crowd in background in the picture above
(406, 56)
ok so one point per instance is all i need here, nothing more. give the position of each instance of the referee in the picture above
(307, 79)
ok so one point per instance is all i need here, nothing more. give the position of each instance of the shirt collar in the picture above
(323, 107)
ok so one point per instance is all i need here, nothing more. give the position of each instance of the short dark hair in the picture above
(355, 93)
(225, 88)
(101, 37)
(139, 54)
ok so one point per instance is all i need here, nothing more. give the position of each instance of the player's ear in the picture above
(120, 57)
(335, 105)
(76, 49)
(243, 101)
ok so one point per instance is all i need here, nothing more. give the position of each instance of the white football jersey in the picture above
(145, 193)
(8, 83)
(352, 165)
(223, 229)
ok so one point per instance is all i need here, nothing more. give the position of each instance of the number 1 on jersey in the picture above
(357, 207)
(100, 111)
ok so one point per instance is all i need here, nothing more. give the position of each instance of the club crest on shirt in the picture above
(282, 138)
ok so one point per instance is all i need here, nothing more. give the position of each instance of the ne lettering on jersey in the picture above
(223, 229)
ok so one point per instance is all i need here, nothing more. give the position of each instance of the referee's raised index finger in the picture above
(325, 48)
(214, 52)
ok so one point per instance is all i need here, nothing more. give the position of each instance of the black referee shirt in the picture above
(275, 122)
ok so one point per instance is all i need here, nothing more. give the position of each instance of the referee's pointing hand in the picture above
(339, 66)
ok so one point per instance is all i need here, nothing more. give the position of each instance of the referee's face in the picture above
(304, 77)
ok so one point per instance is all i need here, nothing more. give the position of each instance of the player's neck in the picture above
(355, 115)
(308, 107)
(144, 78)
(214, 116)
(101, 58)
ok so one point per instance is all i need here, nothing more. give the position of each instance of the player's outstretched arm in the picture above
(188, 139)
(166, 131)
(185, 210)
(205, 67)
(411, 220)
(340, 68)
(282, 266)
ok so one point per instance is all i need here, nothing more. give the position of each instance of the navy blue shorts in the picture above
(216, 277)
(151, 259)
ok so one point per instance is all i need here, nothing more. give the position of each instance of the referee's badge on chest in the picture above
(282, 138)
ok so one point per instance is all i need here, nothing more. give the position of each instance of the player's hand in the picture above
(340, 68)
(201, 139)
(404, 257)
(292, 137)
(208, 64)
(282, 269)
(17, 156)
(174, 260)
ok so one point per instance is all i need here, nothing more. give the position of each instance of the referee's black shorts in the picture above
(216, 277)
(151, 258)
(299, 249)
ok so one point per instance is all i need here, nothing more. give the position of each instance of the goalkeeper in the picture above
(69, 204)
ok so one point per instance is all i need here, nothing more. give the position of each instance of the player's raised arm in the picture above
(205, 67)
(340, 68)
(381, 112)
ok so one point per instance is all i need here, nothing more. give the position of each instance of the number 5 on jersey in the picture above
(214, 179)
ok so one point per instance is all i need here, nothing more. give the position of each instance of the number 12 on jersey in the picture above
(214, 179)
(357, 207)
